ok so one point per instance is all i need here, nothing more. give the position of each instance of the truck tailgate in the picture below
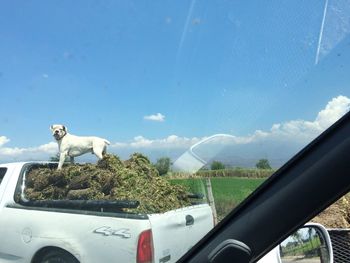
(176, 231)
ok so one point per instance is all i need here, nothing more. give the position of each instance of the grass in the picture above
(308, 248)
(228, 191)
(232, 188)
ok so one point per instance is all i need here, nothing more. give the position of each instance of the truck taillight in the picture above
(145, 247)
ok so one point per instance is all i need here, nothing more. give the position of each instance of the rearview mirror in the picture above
(310, 244)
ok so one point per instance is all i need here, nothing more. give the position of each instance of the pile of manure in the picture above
(336, 215)
(109, 179)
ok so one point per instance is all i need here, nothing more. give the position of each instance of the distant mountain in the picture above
(244, 157)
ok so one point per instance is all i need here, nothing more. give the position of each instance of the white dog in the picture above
(71, 145)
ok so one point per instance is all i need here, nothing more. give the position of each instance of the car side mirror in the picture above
(310, 243)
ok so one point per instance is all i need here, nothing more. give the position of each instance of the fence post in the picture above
(211, 199)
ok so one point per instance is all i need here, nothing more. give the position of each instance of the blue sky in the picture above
(126, 70)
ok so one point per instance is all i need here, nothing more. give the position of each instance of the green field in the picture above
(228, 191)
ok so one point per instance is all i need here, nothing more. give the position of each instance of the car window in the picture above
(2, 173)
(140, 110)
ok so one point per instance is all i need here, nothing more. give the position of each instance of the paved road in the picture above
(298, 260)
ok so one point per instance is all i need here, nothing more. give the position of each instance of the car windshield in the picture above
(147, 108)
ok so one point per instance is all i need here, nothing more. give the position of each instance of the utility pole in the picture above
(211, 199)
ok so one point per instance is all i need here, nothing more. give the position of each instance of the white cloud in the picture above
(50, 147)
(155, 117)
(281, 139)
(300, 131)
(288, 137)
(3, 140)
(334, 110)
(41, 152)
(172, 141)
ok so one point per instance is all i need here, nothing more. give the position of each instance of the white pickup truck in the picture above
(61, 232)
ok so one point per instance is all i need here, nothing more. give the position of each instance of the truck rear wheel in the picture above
(56, 256)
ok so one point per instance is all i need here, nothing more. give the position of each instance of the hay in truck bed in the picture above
(110, 185)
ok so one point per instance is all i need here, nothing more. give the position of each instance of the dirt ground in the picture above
(337, 215)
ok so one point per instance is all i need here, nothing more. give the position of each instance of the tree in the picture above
(56, 158)
(216, 165)
(163, 165)
(263, 164)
